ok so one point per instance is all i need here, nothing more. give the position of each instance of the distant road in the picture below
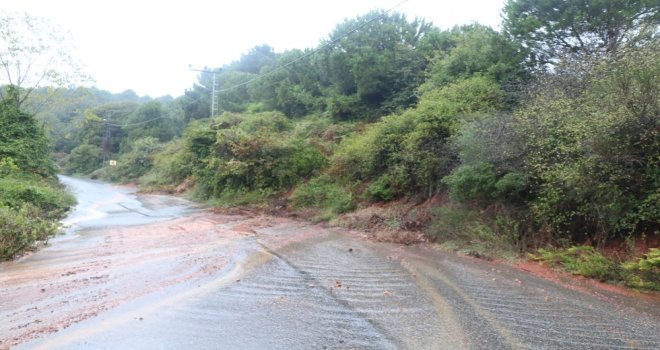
(157, 272)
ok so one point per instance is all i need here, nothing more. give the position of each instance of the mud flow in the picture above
(145, 272)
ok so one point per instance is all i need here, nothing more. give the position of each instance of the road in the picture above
(156, 272)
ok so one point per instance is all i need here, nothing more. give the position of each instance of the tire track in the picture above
(540, 316)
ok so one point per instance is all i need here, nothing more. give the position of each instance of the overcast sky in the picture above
(147, 46)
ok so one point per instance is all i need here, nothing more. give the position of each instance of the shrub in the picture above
(645, 272)
(29, 209)
(8, 167)
(22, 140)
(323, 193)
(171, 165)
(134, 163)
(484, 232)
(20, 228)
(380, 190)
(472, 182)
(52, 202)
(84, 159)
(581, 260)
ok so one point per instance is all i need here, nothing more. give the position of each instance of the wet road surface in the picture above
(155, 272)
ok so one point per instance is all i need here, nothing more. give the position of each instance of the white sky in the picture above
(147, 46)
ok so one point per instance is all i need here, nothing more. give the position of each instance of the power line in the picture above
(124, 125)
(313, 51)
(138, 123)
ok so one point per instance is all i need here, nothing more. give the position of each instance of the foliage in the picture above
(152, 119)
(472, 182)
(387, 108)
(241, 154)
(30, 207)
(477, 50)
(8, 167)
(642, 273)
(553, 28)
(375, 70)
(294, 88)
(134, 163)
(410, 153)
(41, 194)
(33, 52)
(19, 229)
(323, 192)
(171, 165)
(581, 260)
(645, 272)
(84, 159)
(476, 231)
(591, 156)
(22, 140)
(257, 152)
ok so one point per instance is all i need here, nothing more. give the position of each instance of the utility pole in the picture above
(215, 102)
(107, 140)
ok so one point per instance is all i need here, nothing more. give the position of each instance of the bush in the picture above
(29, 210)
(84, 159)
(134, 163)
(171, 165)
(483, 232)
(8, 167)
(52, 202)
(323, 193)
(472, 182)
(581, 260)
(21, 228)
(645, 272)
(380, 190)
(412, 150)
(22, 140)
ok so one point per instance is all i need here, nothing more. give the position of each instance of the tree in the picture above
(22, 140)
(477, 50)
(253, 61)
(33, 53)
(372, 64)
(551, 28)
(294, 88)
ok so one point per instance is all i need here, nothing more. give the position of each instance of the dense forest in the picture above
(541, 135)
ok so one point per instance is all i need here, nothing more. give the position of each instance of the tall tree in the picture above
(294, 88)
(33, 53)
(22, 140)
(477, 50)
(551, 28)
(257, 58)
(372, 61)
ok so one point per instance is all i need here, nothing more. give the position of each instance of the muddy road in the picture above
(156, 272)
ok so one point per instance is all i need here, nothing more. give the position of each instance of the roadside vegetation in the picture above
(541, 137)
(31, 199)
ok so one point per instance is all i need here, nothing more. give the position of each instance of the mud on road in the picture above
(204, 280)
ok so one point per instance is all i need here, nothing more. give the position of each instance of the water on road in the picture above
(156, 272)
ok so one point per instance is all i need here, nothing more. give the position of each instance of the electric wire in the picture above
(279, 68)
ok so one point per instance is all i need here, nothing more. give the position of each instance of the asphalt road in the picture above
(156, 272)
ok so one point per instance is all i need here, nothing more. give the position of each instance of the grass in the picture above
(642, 273)
(472, 232)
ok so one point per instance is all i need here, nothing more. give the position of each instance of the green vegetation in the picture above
(322, 192)
(31, 200)
(642, 273)
(542, 135)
